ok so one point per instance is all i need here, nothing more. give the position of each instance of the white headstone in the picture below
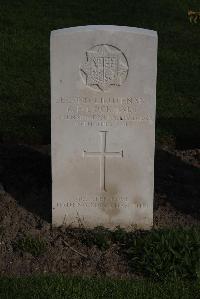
(103, 82)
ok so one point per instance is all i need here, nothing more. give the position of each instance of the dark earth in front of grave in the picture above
(25, 210)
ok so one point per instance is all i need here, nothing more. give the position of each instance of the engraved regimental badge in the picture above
(104, 66)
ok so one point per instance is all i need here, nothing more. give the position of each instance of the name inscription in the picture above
(102, 111)
(102, 202)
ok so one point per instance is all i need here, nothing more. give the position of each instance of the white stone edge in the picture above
(114, 28)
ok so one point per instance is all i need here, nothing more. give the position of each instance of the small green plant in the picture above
(165, 253)
(33, 245)
(119, 235)
(100, 236)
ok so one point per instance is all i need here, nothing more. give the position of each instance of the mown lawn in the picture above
(56, 287)
(25, 86)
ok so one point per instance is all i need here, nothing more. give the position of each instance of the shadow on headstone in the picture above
(26, 175)
(178, 182)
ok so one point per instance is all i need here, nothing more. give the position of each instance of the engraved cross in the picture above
(102, 155)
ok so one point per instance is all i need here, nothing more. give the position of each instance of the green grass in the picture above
(164, 253)
(166, 262)
(25, 88)
(154, 254)
(56, 287)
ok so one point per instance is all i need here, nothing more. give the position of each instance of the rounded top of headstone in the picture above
(112, 28)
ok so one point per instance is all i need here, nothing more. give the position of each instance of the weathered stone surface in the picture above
(103, 82)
